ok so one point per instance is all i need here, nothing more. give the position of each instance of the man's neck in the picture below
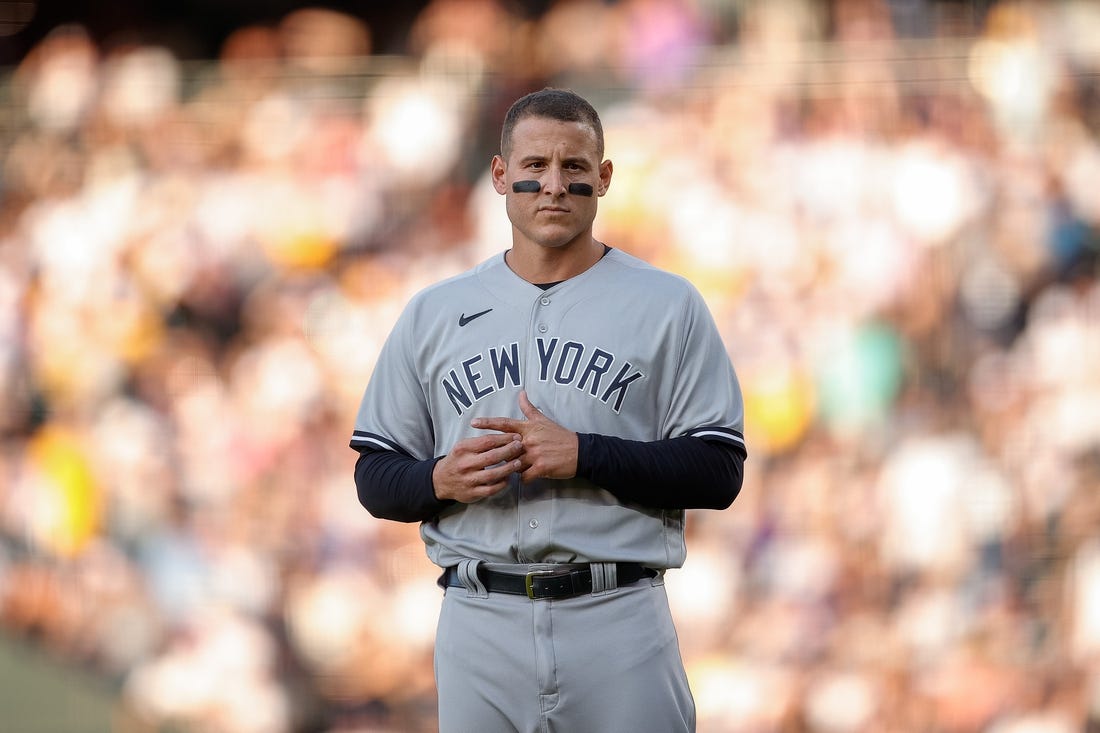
(537, 264)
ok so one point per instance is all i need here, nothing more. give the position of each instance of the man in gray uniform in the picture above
(548, 417)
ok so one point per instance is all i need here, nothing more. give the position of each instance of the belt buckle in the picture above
(529, 579)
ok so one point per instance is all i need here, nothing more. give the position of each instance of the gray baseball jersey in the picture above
(623, 349)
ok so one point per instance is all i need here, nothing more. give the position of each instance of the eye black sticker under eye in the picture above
(577, 189)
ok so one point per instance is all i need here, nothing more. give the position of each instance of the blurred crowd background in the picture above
(891, 206)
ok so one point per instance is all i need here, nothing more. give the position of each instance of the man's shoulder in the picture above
(449, 287)
(643, 273)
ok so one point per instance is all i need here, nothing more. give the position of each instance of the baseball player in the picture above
(548, 417)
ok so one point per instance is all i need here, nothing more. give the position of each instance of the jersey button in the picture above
(543, 328)
(545, 301)
(533, 524)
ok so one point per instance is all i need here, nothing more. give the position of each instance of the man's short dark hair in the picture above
(556, 104)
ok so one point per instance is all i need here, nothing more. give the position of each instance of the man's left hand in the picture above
(549, 450)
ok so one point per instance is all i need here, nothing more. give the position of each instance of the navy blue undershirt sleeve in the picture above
(398, 487)
(677, 473)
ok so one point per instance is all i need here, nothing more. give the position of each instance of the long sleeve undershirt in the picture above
(677, 473)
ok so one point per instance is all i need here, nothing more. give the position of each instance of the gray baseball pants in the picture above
(607, 662)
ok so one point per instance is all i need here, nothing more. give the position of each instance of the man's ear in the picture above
(605, 177)
(498, 170)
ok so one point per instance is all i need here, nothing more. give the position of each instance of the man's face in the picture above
(555, 154)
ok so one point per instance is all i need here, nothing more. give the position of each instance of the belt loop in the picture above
(604, 577)
(467, 573)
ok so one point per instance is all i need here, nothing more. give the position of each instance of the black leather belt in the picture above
(549, 583)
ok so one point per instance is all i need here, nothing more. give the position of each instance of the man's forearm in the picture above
(394, 486)
(677, 473)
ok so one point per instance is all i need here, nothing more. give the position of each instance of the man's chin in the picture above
(555, 239)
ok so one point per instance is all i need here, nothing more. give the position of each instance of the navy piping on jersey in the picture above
(722, 435)
(362, 440)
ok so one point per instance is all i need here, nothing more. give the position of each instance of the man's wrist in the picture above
(435, 486)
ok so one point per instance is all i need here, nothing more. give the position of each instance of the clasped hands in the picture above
(478, 467)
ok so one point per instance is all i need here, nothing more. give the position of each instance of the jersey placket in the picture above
(534, 508)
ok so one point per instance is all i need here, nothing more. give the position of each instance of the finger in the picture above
(481, 491)
(504, 424)
(492, 480)
(504, 453)
(529, 410)
(498, 473)
(483, 443)
(529, 474)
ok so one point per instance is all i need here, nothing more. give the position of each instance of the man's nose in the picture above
(554, 181)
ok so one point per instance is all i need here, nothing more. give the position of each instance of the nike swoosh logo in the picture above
(464, 319)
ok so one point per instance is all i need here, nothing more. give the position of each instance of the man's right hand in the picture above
(477, 467)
